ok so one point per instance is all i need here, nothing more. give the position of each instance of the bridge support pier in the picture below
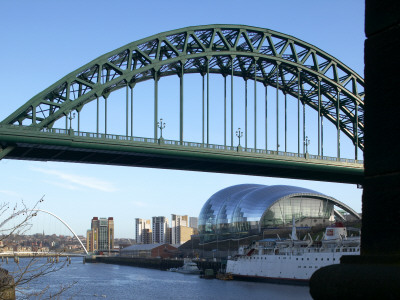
(375, 274)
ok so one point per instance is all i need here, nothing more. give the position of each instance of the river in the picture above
(106, 281)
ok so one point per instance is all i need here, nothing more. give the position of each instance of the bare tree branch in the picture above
(17, 221)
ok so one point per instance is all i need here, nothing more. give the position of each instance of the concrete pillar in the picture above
(381, 205)
(375, 274)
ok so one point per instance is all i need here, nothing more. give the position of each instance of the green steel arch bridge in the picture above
(297, 72)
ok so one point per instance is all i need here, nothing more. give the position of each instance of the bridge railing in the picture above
(180, 144)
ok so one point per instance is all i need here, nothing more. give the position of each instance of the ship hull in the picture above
(292, 261)
(288, 269)
(274, 280)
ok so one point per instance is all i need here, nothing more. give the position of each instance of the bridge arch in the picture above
(291, 65)
(28, 211)
(62, 221)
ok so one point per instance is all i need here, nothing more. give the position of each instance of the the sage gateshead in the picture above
(246, 209)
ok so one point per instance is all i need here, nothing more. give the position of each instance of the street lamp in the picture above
(71, 117)
(306, 143)
(161, 125)
(239, 134)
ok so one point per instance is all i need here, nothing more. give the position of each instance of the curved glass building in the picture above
(246, 209)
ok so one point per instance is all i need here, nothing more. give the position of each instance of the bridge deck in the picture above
(22, 142)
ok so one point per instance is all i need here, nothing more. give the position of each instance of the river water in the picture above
(106, 281)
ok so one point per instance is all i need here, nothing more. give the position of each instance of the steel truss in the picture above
(291, 65)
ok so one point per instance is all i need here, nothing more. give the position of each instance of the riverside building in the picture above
(143, 231)
(248, 209)
(180, 230)
(100, 237)
(160, 230)
(150, 251)
(193, 222)
(176, 222)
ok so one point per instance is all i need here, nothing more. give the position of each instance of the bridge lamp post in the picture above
(239, 134)
(161, 125)
(306, 143)
(71, 117)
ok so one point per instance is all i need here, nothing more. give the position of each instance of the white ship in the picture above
(292, 260)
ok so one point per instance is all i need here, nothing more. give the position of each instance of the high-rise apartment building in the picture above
(147, 236)
(193, 221)
(169, 236)
(143, 228)
(176, 223)
(89, 240)
(100, 237)
(160, 230)
(185, 233)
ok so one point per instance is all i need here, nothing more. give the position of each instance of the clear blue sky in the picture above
(42, 41)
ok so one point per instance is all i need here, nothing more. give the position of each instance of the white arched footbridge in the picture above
(62, 221)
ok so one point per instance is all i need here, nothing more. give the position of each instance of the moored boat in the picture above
(189, 267)
(292, 260)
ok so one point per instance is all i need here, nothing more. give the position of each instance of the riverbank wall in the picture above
(39, 254)
(152, 263)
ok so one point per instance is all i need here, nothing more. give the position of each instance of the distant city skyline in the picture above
(38, 49)
(160, 229)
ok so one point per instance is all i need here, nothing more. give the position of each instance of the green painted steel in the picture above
(215, 46)
(71, 146)
(274, 59)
